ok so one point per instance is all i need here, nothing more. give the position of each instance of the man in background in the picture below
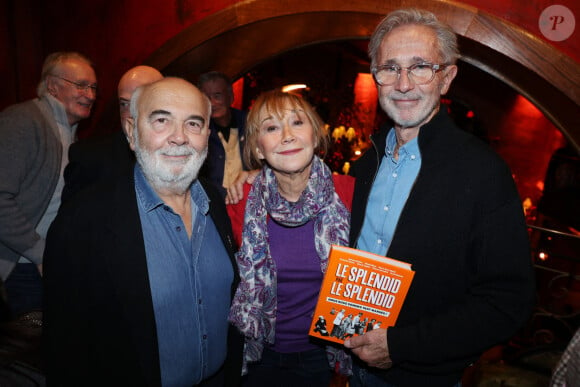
(34, 139)
(224, 162)
(98, 158)
(140, 270)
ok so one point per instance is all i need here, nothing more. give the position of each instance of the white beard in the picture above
(410, 117)
(176, 177)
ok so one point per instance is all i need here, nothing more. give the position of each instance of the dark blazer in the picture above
(99, 322)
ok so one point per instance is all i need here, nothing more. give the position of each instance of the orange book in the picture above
(360, 291)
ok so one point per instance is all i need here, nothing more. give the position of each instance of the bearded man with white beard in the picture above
(139, 272)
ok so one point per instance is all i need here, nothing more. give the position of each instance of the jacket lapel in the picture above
(128, 270)
(127, 265)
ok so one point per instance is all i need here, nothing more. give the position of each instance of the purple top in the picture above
(299, 278)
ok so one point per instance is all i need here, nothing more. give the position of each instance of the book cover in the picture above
(360, 291)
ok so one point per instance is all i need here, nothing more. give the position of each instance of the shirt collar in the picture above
(391, 142)
(199, 197)
(150, 200)
(59, 112)
(410, 148)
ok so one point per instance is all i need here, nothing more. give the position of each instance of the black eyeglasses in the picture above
(80, 86)
(420, 73)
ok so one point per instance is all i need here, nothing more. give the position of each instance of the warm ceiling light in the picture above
(297, 86)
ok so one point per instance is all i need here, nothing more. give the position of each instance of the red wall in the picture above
(526, 15)
(122, 33)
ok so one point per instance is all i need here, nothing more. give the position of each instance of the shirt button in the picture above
(413, 157)
(204, 337)
(379, 241)
(386, 208)
(178, 228)
(394, 175)
(199, 301)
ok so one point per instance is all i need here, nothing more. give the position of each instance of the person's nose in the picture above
(178, 136)
(287, 134)
(404, 83)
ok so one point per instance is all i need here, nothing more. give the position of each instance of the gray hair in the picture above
(52, 65)
(448, 49)
(215, 75)
(134, 102)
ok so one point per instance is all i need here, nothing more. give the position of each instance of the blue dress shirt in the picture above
(190, 283)
(389, 194)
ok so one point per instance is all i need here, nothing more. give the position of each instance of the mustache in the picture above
(405, 96)
(178, 151)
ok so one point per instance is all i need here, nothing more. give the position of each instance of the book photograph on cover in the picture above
(360, 292)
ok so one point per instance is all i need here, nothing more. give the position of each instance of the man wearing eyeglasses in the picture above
(224, 164)
(34, 140)
(434, 196)
(100, 158)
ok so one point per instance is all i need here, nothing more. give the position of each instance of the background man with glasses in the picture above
(103, 157)
(432, 195)
(34, 140)
(224, 163)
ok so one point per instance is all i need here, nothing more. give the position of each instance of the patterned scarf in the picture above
(254, 305)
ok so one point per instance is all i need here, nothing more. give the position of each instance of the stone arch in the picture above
(250, 32)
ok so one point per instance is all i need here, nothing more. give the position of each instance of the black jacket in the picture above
(463, 231)
(99, 322)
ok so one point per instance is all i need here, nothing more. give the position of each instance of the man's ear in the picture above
(449, 74)
(129, 126)
(51, 86)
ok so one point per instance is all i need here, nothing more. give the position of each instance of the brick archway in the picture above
(248, 33)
